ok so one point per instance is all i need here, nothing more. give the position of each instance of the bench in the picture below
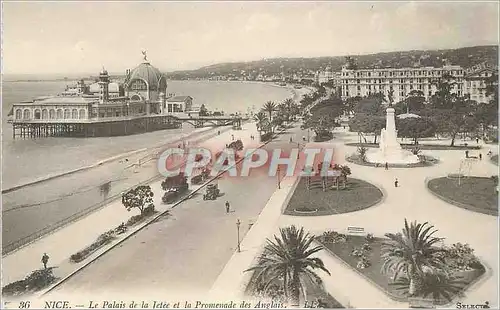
(355, 230)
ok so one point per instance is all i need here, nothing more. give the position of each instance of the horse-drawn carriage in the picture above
(174, 188)
(212, 192)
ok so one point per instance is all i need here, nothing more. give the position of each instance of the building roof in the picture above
(408, 115)
(179, 98)
(152, 76)
(67, 100)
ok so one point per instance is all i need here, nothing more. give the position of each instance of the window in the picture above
(359, 87)
(19, 114)
(74, 114)
(26, 114)
(138, 85)
(38, 114)
(52, 113)
(59, 113)
(45, 114)
(81, 114)
(359, 81)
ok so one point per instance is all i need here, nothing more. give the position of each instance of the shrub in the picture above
(102, 240)
(357, 252)
(266, 137)
(36, 281)
(461, 257)
(363, 263)
(366, 247)
(333, 237)
(369, 237)
(362, 153)
(416, 150)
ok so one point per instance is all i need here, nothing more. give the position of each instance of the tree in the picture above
(262, 121)
(410, 252)
(367, 124)
(369, 106)
(203, 110)
(287, 260)
(140, 197)
(415, 128)
(415, 101)
(269, 108)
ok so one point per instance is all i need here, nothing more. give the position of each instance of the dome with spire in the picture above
(153, 78)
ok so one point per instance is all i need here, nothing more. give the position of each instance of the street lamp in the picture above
(307, 134)
(238, 223)
(279, 182)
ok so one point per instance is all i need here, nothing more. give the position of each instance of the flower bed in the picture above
(37, 280)
(363, 254)
(357, 195)
(474, 193)
(111, 235)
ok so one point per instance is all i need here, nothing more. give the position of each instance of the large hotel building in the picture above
(362, 82)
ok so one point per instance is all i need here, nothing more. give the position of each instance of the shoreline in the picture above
(294, 94)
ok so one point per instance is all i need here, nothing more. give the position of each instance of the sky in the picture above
(71, 37)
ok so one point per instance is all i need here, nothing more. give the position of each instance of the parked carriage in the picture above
(212, 192)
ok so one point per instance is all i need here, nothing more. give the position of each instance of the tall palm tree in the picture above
(288, 259)
(269, 107)
(261, 119)
(412, 251)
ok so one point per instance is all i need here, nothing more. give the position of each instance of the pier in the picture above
(114, 126)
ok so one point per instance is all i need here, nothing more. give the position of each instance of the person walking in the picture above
(386, 166)
(396, 182)
(290, 139)
(232, 137)
(227, 206)
(480, 156)
(477, 140)
(45, 260)
(466, 154)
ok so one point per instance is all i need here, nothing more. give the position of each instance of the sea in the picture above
(25, 160)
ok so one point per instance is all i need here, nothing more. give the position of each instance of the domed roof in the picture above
(151, 75)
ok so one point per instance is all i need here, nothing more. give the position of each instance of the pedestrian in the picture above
(477, 140)
(232, 137)
(386, 166)
(396, 183)
(290, 139)
(218, 132)
(45, 260)
(227, 206)
(303, 138)
(480, 156)
(466, 154)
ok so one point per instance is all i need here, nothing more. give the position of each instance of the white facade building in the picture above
(362, 82)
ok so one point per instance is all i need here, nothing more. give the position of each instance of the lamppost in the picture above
(307, 134)
(279, 181)
(238, 223)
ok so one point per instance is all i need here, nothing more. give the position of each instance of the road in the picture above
(186, 251)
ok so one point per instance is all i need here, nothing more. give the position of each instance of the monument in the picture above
(390, 150)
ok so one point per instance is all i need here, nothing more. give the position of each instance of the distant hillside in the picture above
(465, 57)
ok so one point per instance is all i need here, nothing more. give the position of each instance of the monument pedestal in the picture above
(390, 150)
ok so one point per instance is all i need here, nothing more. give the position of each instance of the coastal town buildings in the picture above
(400, 82)
(179, 104)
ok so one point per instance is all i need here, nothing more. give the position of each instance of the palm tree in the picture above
(261, 120)
(288, 260)
(269, 107)
(437, 285)
(410, 251)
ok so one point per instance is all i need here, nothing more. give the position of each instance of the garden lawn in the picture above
(474, 193)
(357, 195)
(374, 273)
